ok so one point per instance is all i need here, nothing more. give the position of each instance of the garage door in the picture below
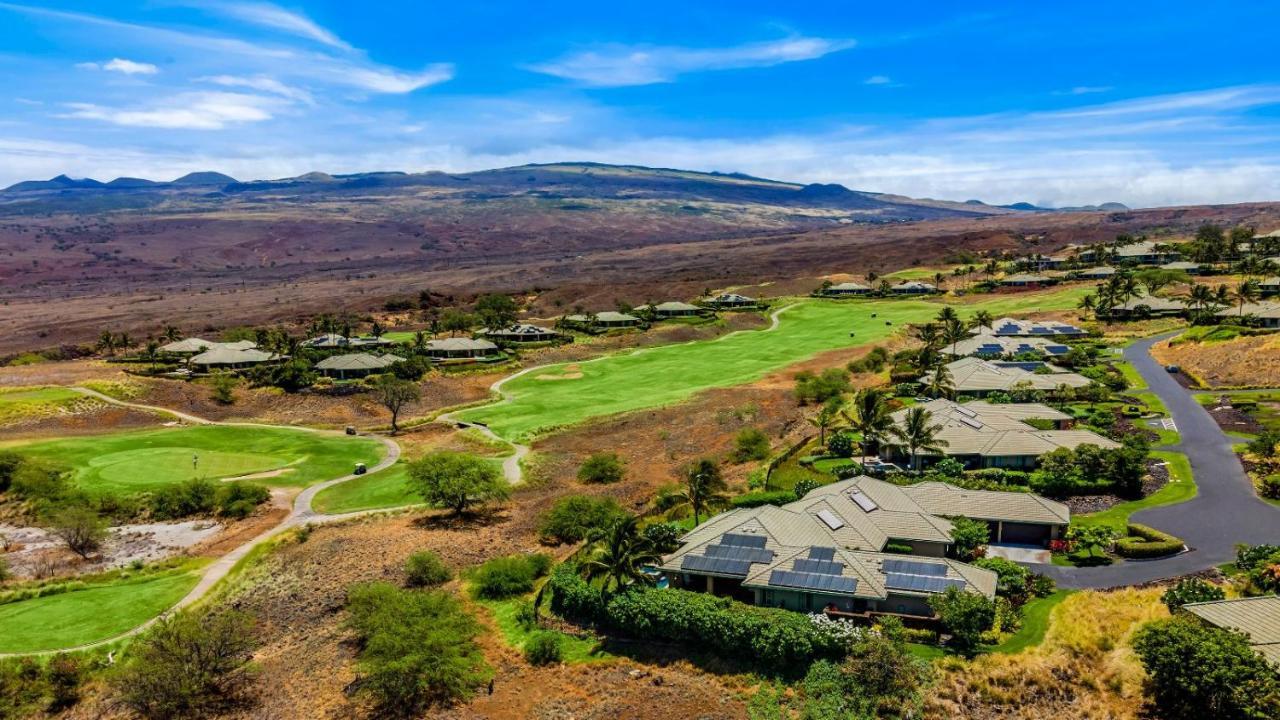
(1025, 534)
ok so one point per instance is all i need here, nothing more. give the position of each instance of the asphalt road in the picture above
(1226, 510)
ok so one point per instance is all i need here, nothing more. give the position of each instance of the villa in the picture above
(189, 346)
(731, 301)
(1269, 286)
(673, 309)
(1154, 305)
(1257, 617)
(988, 345)
(845, 289)
(356, 364)
(1009, 327)
(1144, 252)
(1186, 266)
(460, 349)
(976, 377)
(983, 435)
(1102, 272)
(521, 333)
(334, 341)
(230, 358)
(1267, 313)
(913, 287)
(608, 319)
(1027, 280)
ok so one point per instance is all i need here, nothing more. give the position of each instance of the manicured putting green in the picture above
(94, 613)
(136, 461)
(551, 397)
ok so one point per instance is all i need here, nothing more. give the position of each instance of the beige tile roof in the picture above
(189, 345)
(914, 285)
(896, 516)
(357, 361)
(220, 355)
(1025, 278)
(1154, 302)
(1257, 617)
(458, 344)
(1265, 309)
(973, 374)
(998, 429)
(848, 287)
(1007, 345)
(1099, 271)
(943, 499)
(981, 580)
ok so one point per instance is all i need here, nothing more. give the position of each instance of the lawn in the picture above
(94, 613)
(548, 397)
(20, 403)
(1035, 622)
(381, 490)
(1180, 488)
(146, 460)
(573, 649)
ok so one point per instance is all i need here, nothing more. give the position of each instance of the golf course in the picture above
(569, 393)
(145, 460)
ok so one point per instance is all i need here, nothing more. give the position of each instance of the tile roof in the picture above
(1012, 327)
(998, 429)
(973, 374)
(984, 343)
(1257, 617)
(458, 344)
(357, 361)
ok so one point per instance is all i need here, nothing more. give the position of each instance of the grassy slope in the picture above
(20, 403)
(95, 613)
(543, 399)
(573, 649)
(144, 460)
(1035, 622)
(381, 490)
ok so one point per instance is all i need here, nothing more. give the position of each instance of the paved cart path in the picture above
(1225, 511)
(300, 514)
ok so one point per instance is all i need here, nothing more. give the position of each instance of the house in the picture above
(460, 349)
(987, 345)
(976, 377)
(1101, 272)
(731, 301)
(356, 364)
(334, 341)
(1144, 252)
(672, 309)
(1257, 617)
(1026, 280)
(1267, 313)
(1010, 327)
(1149, 306)
(982, 435)
(189, 346)
(521, 333)
(913, 287)
(845, 289)
(229, 358)
(1269, 286)
(608, 319)
(1186, 266)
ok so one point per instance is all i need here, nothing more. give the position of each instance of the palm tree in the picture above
(703, 487)
(419, 341)
(1247, 292)
(618, 555)
(947, 314)
(941, 384)
(938, 280)
(928, 334)
(870, 418)
(1200, 297)
(953, 331)
(983, 319)
(170, 334)
(153, 348)
(916, 434)
(826, 418)
(107, 342)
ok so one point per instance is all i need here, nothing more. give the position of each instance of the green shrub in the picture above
(240, 499)
(1147, 542)
(948, 467)
(543, 648)
(505, 577)
(425, 569)
(9, 462)
(573, 599)
(1264, 445)
(900, 548)
(577, 517)
(1089, 556)
(1011, 578)
(417, 649)
(1190, 590)
(833, 382)
(605, 467)
(197, 496)
(965, 615)
(841, 444)
(756, 499)
(1269, 487)
(663, 537)
(1195, 671)
(1249, 557)
(750, 444)
(803, 487)
(967, 535)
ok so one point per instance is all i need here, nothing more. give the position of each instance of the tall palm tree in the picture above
(870, 418)
(928, 334)
(928, 357)
(938, 280)
(947, 314)
(916, 433)
(704, 488)
(419, 341)
(152, 350)
(617, 556)
(107, 342)
(171, 333)
(1247, 292)
(983, 319)
(941, 384)
(1200, 297)
(953, 331)
(826, 418)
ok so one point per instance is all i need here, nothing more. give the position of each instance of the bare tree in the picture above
(394, 394)
(80, 528)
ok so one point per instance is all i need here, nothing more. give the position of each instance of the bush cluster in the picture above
(577, 517)
(605, 467)
(1190, 590)
(508, 576)
(1089, 469)
(756, 499)
(201, 496)
(1147, 542)
(543, 648)
(811, 388)
(425, 569)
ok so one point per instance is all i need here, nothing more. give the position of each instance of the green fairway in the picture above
(379, 491)
(550, 397)
(20, 403)
(137, 461)
(94, 613)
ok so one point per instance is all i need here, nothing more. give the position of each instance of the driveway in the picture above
(1226, 510)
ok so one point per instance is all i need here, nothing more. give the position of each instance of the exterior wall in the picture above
(903, 605)
(1010, 462)
(925, 548)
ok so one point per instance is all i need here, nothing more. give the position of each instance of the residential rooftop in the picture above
(1257, 617)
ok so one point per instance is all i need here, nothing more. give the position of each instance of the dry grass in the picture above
(1085, 668)
(1244, 361)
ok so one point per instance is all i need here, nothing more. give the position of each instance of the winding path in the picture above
(300, 514)
(1225, 511)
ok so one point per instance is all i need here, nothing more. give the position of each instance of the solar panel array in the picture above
(830, 519)
(914, 567)
(738, 552)
(920, 583)
(818, 567)
(812, 581)
(817, 552)
(755, 541)
(864, 502)
(723, 566)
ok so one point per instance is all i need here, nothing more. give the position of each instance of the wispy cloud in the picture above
(120, 65)
(1085, 90)
(261, 83)
(878, 80)
(277, 18)
(623, 65)
(185, 111)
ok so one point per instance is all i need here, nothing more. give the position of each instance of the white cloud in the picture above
(1085, 90)
(384, 80)
(120, 65)
(622, 65)
(277, 18)
(263, 84)
(186, 111)
(877, 80)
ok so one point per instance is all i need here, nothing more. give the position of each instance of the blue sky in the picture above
(1056, 103)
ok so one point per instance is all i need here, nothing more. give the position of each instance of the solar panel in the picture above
(810, 581)
(1008, 329)
(723, 566)
(864, 502)
(920, 583)
(755, 541)
(817, 552)
(738, 552)
(915, 567)
(830, 519)
(818, 567)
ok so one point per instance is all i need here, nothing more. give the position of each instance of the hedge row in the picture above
(776, 639)
(756, 499)
(1147, 542)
